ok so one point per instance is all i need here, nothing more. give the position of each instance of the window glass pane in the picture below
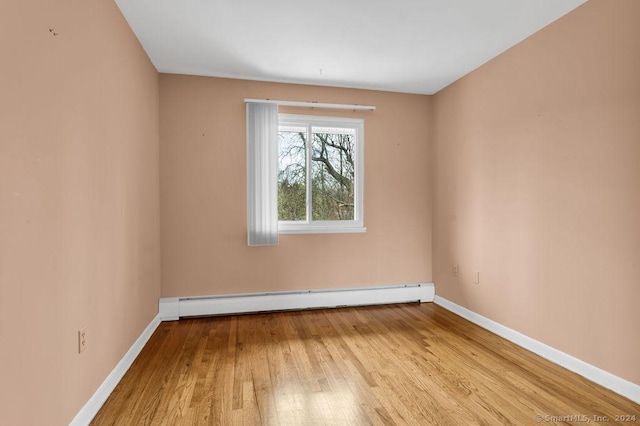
(333, 173)
(292, 172)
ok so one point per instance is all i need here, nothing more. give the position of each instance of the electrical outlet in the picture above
(455, 271)
(82, 339)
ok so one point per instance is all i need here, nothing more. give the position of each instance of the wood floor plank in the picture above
(404, 364)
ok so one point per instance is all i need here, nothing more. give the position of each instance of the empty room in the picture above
(319, 213)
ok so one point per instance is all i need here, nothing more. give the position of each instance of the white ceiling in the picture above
(414, 46)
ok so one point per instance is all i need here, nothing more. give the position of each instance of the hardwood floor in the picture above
(413, 364)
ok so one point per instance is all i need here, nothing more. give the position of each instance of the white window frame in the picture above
(330, 226)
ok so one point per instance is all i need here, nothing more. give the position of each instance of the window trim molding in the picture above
(337, 226)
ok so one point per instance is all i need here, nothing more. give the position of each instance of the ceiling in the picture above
(413, 46)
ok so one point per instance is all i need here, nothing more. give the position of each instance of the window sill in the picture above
(322, 230)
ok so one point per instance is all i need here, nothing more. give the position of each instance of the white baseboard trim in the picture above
(91, 408)
(603, 378)
(172, 308)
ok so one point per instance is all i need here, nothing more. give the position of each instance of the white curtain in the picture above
(262, 174)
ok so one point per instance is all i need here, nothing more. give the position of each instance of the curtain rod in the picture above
(312, 104)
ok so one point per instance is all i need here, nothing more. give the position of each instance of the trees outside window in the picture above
(320, 174)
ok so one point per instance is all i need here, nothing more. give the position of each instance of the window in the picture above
(320, 174)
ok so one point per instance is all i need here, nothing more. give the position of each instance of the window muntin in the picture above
(320, 175)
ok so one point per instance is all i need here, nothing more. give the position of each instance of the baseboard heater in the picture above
(174, 308)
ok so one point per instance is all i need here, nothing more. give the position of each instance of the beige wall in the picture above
(203, 194)
(79, 202)
(536, 172)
